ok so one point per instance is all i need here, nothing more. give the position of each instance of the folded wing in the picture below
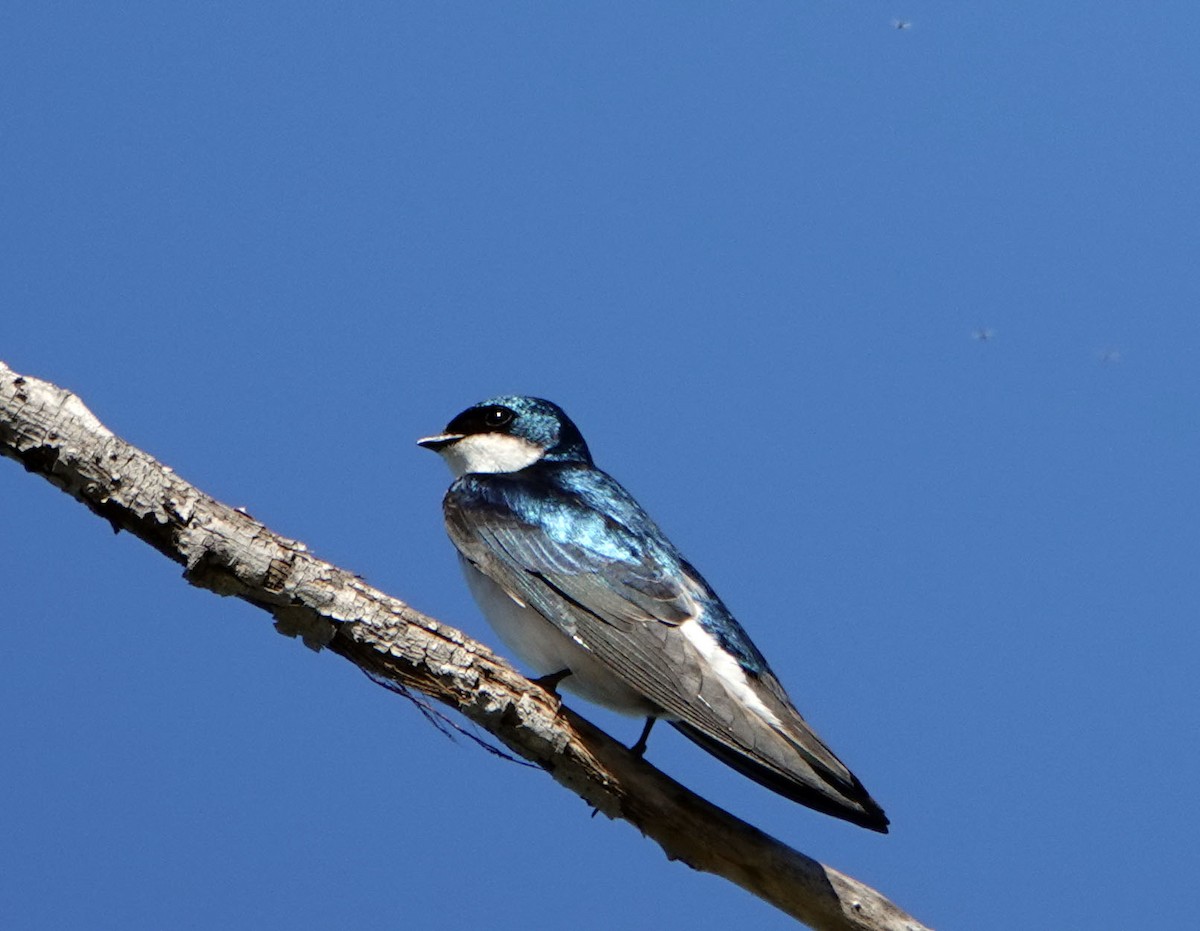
(594, 564)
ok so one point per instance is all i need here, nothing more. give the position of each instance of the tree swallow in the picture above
(582, 585)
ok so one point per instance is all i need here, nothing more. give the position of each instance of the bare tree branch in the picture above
(52, 433)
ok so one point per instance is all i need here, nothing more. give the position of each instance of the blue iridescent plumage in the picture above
(582, 583)
(596, 525)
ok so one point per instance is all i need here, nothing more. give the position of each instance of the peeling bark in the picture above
(52, 433)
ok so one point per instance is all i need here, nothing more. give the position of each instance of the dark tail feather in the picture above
(857, 807)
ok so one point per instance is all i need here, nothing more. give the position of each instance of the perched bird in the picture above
(582, 585)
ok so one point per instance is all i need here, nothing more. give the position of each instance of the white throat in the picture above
(490, 452)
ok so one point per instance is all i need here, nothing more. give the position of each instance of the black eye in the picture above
(495, 417)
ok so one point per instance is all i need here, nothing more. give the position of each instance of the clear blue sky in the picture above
(747, 248)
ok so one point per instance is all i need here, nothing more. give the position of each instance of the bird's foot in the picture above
(550, 682)
(639, 748)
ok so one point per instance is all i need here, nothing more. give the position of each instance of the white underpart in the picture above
(490, 452)
(726, 668)
(546, 649)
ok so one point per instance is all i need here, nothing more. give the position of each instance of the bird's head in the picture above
(507, 434)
